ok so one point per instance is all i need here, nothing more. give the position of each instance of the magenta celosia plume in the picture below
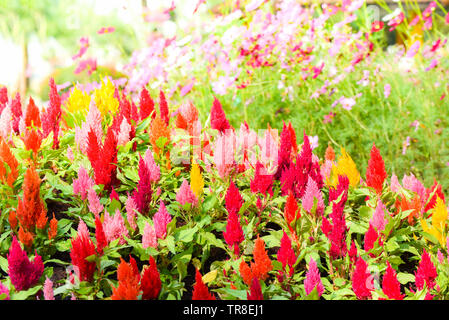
(361, 280)
(161, 219)
(233, 234)
(285, 254)
(23, 273)
(186, 195)
(313, 279)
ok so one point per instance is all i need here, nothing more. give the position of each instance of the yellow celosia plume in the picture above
(439, 217)
(196, 180)
(78, 101)
(104, 98)
(345, 166)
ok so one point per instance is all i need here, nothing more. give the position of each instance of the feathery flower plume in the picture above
(53, 229)
(346, 166)
(311, 193)
(285, 254)
(439, 217)
(94, 202)
(390, 284)
(32, 116)
(48, 289)
(291, 210)
(158, 129)
(149, 238)
(262, 263)
(153, 168)
(114, 227)
(233, 199)
(32, 140)
(234, 232)
(146, 105)
(163, 107)
(83, 247)
(100, 236)
(371, 236)
(150, 283)
(186, 195)
(161, 219)
(128, 282)
(262, 181)
(200, 290)
(336, 232)
(142, 194)
(313, 279)
(375, 173)
(255, 292)
(82, 184)
(52, 115)
(378, 220)
(23, 273)
(16, 111)
(437, 191)
(218, 119)
(131, 213)
(361, 284)
(426, 273)
(9, 173)
(196, 180)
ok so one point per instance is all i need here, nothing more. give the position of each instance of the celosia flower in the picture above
(100, 236)
(32, 116)
(10, 173)
(375, 173)
(371, 236)
(426, 273)
(52, 115)
(262, 182)
(234, 232)
(353, 252)
(163, 107)
(142, 194)
(78, 101)
(161, 219)
(82, 184)
(233, 199)
(48, 290)
(23, 273)
(186, 195)
(196, 180)
(390, 284)
(146, 105)
(158, 129)
(149, 236)
(285, 254)
(346, 166)
(361, 282)
(16, 111)
(150, 283)
(311, 193)
(32, 140)
(31, 210)
(114, 227)
(336, 232)
(153, 168)
(218, 119)
(378, 220)
(104, 98)
(262, 263)
(439, 217)
(94, 202)
(437, 191)
(53, 229)
(128, 282)
(313, 279)
(131, 213)
(291, 209)
(255, 292)
(200, 290)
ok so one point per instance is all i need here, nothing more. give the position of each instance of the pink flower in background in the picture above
(413, 50)
(253, 5)
(313, 279)
(153, 168)
(149, 236)
(187, 88)
(70, 154)
(396, 21)
(405, 145)
(186, 195)
(161, 219)
(90, 64)
(387, 90)
(84, 42)
(82, 184)
(394, 184)
(347, 103)
(105, 30)
(114, 227)
(82, 229)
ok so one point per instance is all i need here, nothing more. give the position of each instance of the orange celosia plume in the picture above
(8, 164)
(261, 265)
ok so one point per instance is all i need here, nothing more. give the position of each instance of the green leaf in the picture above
(186, 235)
(405, 278)
(4, 264)
(23, 295)
(313, 295)
(239, 294)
